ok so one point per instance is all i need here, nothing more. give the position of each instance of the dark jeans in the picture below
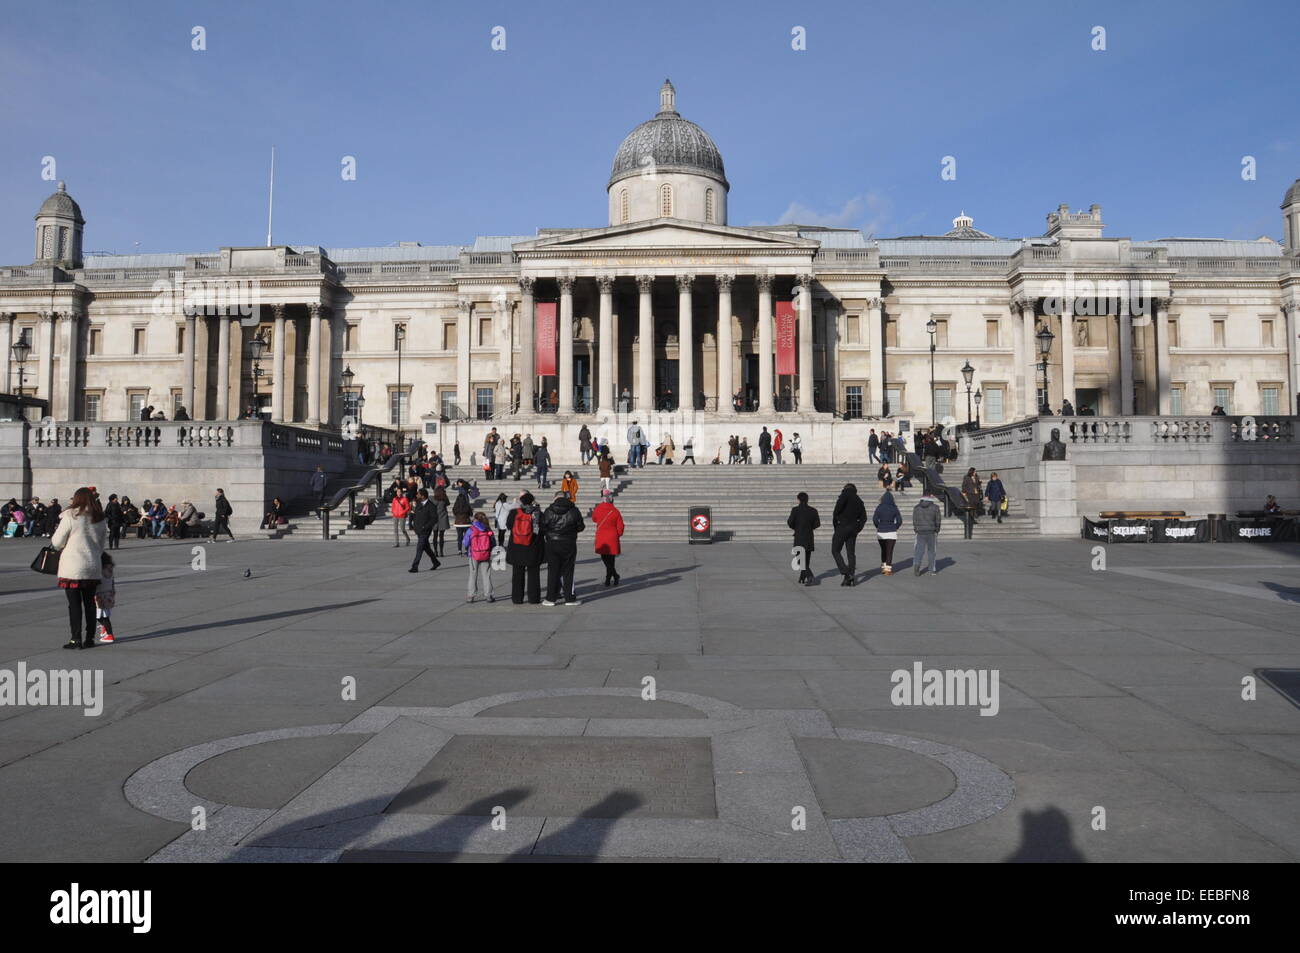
(887, 551)
(219, 524)
(806, 572)
(81, 606)
(114, 536)
(421, 547)
(846, 539)
(559, 573)
(532, 575)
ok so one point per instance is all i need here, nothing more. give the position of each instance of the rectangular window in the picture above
(853, 402)
(1266, 332)
(1220, 332)
(350, 408)
(350, 338)
(95, 344)
(852, 329)
(176, 402)
(942, 402)
(1269, 400)
(991, 337)
(483, 403)
(449, 404)
(993, 405)
(1176, 400)
(1223, 397)
(180, 339)
(92, 407)
(891, 332)
(1172, 326)
(484, 332)
(135, 403)
(137, 340)
(449, 337)
(398, 405)
(941, 332)
(893, 401)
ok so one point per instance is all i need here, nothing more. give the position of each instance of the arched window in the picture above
(666, 200)
(623, 205)
(708, 205)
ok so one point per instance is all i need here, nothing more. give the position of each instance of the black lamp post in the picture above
(347, 378)
(1045, 337)
(20, 352)
(400, 333)
(978, 397)
(967, 373)
(933, 327)
(257, 350)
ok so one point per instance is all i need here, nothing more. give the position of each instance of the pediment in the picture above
(666, 234)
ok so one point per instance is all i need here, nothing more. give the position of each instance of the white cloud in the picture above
(869, 212)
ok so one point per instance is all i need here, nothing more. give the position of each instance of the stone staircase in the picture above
(749, 503)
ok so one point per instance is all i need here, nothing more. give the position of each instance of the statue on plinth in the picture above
(1054, 449)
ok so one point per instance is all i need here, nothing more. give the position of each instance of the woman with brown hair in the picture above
(80, 541)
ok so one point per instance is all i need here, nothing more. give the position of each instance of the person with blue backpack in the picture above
(478, 542)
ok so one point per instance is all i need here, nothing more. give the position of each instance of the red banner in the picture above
(546, 338)
(785, 338)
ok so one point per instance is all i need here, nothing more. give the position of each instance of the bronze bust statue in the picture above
(1054, 449)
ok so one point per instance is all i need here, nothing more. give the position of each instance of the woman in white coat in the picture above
(80, 541)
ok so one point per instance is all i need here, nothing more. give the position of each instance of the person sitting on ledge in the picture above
(1271, 505)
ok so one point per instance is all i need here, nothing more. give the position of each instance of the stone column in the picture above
(527, 346)
(201, 369)
(1016, 331)
(876, 339)
(236, 332)
(565, 332)
(464, 308)
(1067, 357)
(765, 386)
(1160, 334)
(277, 363)
(726, 383)
(685, 343)
(505, 352)
(187, 364)
(6, 355)
(645, 371)
(68, 367)
(1028, 393)
(313, 365)
(45, 359)
(1291, 320)
(223, 367)
(806, 372)
(605, 400)
(1126, 362)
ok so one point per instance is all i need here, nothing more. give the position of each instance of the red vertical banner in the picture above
(546, 338)
(785, 338)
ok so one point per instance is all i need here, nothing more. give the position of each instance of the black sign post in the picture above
(700, 520)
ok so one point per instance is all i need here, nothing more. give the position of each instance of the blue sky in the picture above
(169, 148)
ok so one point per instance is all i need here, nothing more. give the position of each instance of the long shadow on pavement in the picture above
(286, 614)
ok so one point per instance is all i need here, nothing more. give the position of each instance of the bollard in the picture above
(968, 522)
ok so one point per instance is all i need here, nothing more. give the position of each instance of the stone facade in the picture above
(654, 302)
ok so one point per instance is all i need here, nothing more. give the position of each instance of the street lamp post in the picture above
(978, 397)
(1045, 337)
(400, 333)
(257, 350)
(933, 327)
(20, 352)
(967, 373)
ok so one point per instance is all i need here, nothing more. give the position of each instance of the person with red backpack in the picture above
(524, 550)
(478, 542)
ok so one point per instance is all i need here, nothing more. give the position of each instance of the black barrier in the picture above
(700, 520)
(1289, 531)
(1257, 531)
(1130, 531)
(1180, 531)
(1097, 532)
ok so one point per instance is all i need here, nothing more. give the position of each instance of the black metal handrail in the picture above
(375, 474)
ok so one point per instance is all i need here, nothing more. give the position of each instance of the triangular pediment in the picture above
(665, 233)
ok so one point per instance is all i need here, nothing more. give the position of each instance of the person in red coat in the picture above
(609, 527)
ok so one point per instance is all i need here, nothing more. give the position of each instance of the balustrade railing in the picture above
(1150, 431)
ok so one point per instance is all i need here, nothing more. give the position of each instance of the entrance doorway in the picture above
(749, 380)
(666, 395)
(1089, 397)
(582, 383)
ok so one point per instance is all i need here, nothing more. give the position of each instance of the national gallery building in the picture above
(665, 307)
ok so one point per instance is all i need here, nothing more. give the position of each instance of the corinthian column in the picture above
(645, 370)
(566, 346)
(605, 402)
(45, 359)
(313, 366)
(68, 366)
(223, 366)
(685, 343)
(464, 307)
(726, 385)
(277, 363)
(187, 362)
(765, 386)
(6, 355)
(527, 346)
(806, 373)
(876, 330)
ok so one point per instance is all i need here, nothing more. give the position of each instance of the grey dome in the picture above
(62, 204)
(1292, 194)
(668, 143)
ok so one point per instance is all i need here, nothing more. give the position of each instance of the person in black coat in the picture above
(424, 519)
(224, 512)
(764, 447)
(804, 521)
(526, 559)
(116, 520)
(848, 519)
(561, 524)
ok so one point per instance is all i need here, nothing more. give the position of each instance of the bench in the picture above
(1142, 514)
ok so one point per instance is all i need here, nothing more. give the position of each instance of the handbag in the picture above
(47, 561)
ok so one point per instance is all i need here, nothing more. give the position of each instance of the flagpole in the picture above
(270, 202)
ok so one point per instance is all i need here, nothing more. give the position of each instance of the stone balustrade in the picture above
(1136, 431)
